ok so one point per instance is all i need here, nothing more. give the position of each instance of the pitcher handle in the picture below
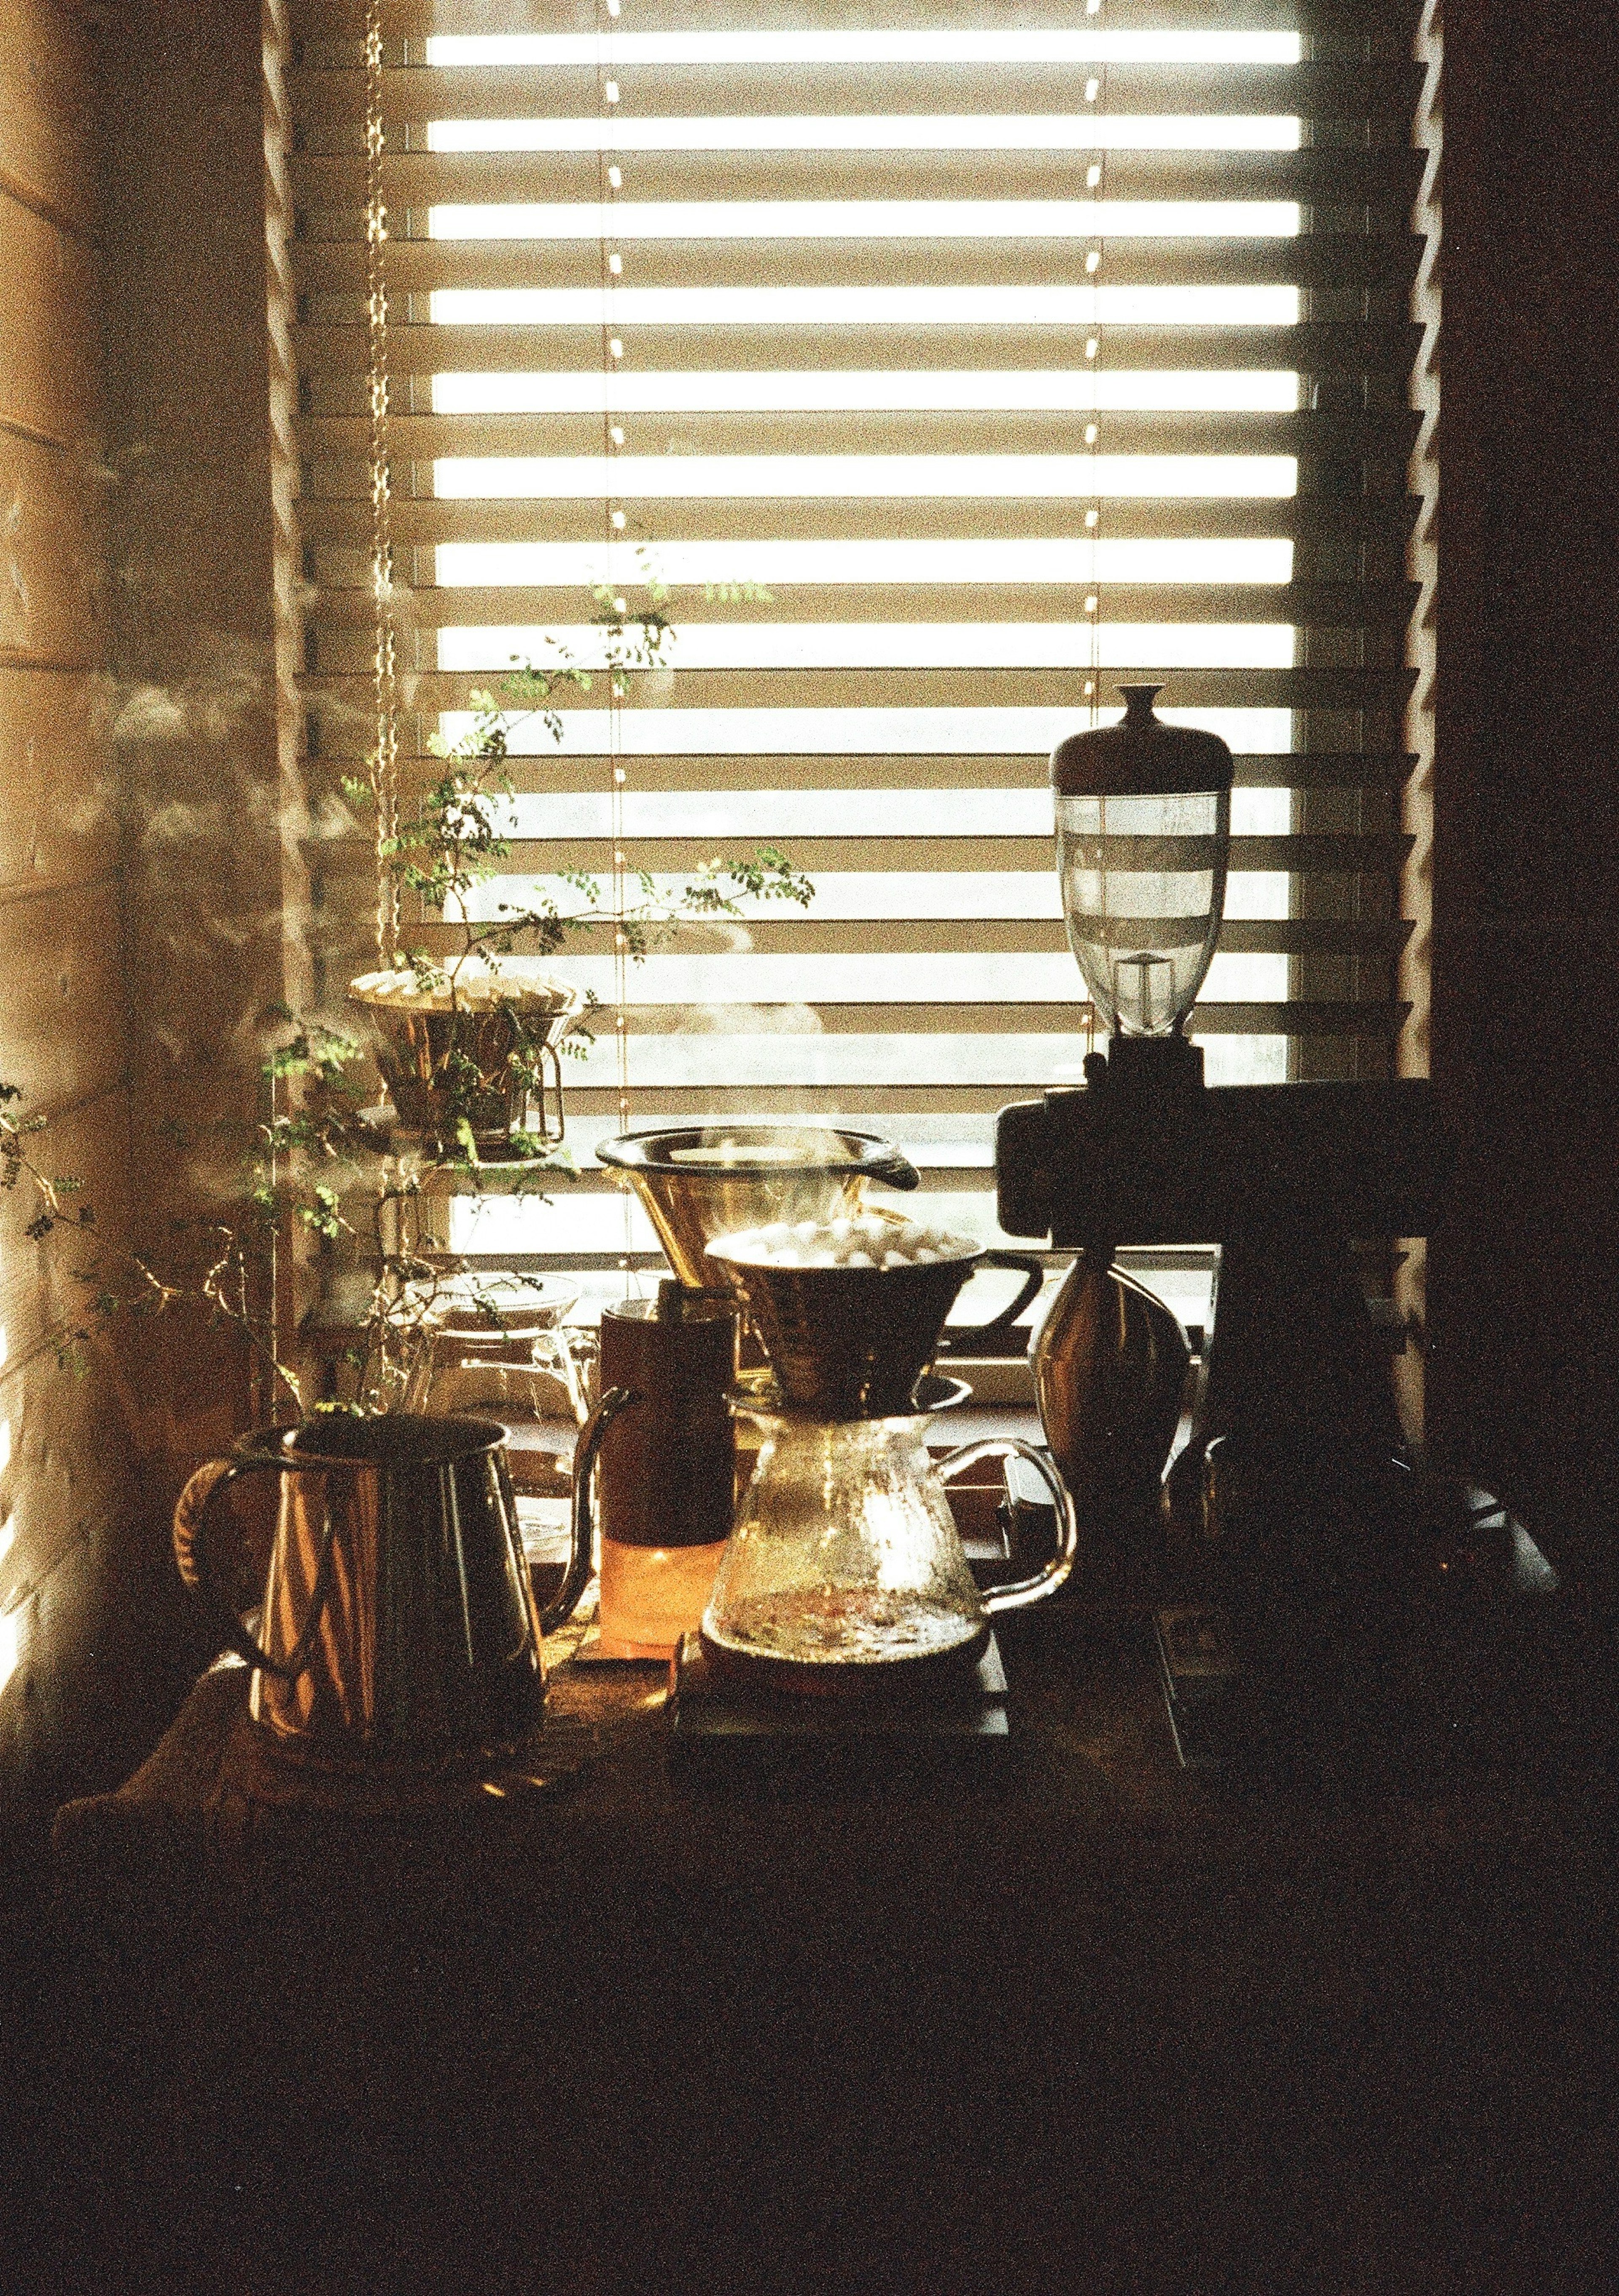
(956, 1337)
(191, 1512)
(1048, 1580)
(584, 1529)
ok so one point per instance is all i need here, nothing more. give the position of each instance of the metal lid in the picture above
(1139, 755)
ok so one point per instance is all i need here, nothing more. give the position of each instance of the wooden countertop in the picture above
(1109, 2026)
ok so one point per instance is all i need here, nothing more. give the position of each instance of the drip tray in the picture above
(719, 1724)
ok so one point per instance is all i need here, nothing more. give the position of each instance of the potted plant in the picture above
(469, 1045)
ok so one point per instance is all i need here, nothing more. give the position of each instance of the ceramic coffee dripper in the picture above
(844, 1571)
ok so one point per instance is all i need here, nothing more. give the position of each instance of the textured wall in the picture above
(81, 1578)
(192, 536)
(144, 845)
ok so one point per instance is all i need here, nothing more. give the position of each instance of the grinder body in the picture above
(1294, 1481)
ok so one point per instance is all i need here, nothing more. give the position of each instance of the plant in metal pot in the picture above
(470, 1040)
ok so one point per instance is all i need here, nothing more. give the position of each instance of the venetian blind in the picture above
(1013, 350)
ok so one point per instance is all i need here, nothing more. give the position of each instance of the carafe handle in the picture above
(1048, 1580)
(192, 1530)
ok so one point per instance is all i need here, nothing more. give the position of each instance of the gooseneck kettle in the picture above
(398, 1626)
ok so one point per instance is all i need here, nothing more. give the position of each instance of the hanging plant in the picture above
(470, 1043)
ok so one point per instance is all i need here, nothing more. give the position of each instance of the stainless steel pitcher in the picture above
(399, 1625)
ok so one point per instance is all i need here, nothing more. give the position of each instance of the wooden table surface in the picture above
(1108, 2026)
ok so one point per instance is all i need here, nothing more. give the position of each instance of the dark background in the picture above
(1523, 1374)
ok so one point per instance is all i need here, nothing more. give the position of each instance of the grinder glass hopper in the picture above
(1143, 830)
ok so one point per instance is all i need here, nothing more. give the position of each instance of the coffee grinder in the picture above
(1293, 1503)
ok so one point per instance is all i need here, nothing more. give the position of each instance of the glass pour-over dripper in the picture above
(698, 1181)
(844, 1571)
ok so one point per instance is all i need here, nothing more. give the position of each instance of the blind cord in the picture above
(1095, 184)
(609, 183)
(384, 758)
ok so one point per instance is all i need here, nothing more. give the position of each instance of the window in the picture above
(1011, 351)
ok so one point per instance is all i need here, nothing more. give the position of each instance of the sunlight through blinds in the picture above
(1011, 352)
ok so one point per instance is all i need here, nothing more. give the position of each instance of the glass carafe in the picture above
(496, 1346)
(845, 1569)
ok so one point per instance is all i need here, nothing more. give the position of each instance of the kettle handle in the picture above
(192, 1529)
(585, 1449)
(956, 1338)
(1050, 1577)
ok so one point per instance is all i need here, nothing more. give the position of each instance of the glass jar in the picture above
(496, 1348)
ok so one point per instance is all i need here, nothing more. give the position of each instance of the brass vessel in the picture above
(445, 1056)
(398, 1627)
(1110, 1367)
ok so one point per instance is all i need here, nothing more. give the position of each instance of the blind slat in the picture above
(1347, 852)
(1384, 771)
(335, 268)
(1380, 184)
(1324, 605)
(715, 1048)
(877, 1105)
(1388, 434)
(1216, 1017)
(773, 933)
(1375, 90)
(1376, 523)
(1389, 23)
(1328, 347)
(759, 691)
